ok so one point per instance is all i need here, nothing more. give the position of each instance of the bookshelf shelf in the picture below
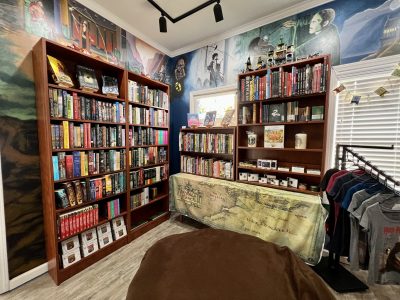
(71, 208)
(150, 202)
(52, 109)
(149, 166)
(147, 126)
(278, 104)
(88, 176)
(147, 185)
(207, 129)
(86, 121)
(89, 94)
(147, 225)
(205, 153)
(87, 149)
(280, 187)
(209, 176)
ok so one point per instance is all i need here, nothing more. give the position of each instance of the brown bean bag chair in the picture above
(219, 264)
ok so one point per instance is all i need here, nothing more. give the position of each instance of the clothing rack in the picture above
(329, 268)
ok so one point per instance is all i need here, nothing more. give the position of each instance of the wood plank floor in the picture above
(110, 277)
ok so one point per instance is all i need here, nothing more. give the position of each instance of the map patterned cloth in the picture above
(291, 219)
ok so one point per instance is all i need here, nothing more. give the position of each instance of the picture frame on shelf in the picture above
(87, 79)
(226, 120)
(274, 136)
(193, 120)
(209, 120)
(59, 72)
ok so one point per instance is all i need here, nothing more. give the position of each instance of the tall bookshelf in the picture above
(288, 89)
(99, 136)
(148, 139)
(208, 152)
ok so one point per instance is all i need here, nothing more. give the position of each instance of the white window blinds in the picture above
(374, 121)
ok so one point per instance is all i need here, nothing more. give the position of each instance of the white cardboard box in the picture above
(71, 257)
(105, 240)
(70, 245)
(90, 247)
(119, 232)
(253, 177)
(117, 223)
(243, 176)
(88, 236)
(103, 229)
(297, 169)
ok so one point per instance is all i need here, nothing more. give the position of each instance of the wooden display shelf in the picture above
(192, 153)
(150, 202)
(273, 171)
(146, 105)
(86, 93)
(149, 166)
(154, 145)
(71, 208)
(281, 149)
(209, 176)
(86, 121)
(147, 185)
(283, 99)
(87, 176)
(101, 222)
(200, 128)
(89, 149)
(151, 83)
(284, 123)
(65, 273)
(148, 126)
(280, 187)
(139, 230)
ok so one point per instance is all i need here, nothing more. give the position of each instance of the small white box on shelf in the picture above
(71, 257)
(313, 171)
(275, 181)
(243, 176)
(263, 163)
(90, 247)
(89, 236)
(103, 229)
(70, 245)
(274, 164)
(263, 180)
(297, 169)
(118, 222)
(253, 177)
(105, 240)
(292, 182)
(283, 183)
(284, 169)
(119, 232)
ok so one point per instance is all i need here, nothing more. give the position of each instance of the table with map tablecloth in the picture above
(285, 218)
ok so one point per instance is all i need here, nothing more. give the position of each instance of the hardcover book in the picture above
(277, 112)
(226, 120)
(193, 120)
(61, 198)
(317, 112)
(210, 118)
(87, 78)
(110, 85)
(274, 136)
(59, 72)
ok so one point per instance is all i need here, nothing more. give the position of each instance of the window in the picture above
(375, 120)
(218, 99)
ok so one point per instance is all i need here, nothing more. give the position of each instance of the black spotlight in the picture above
(218, 12)
(163, 24)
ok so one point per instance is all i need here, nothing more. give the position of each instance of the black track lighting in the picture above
(163, 23)
(218, 12)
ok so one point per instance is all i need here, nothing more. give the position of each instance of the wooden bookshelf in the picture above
(191, 150)
(108, 120)
(254, 112)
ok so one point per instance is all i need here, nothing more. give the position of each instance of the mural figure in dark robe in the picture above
(215, 71)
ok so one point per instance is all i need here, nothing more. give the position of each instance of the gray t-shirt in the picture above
(384, 239)
(357, 199)
(374, 199)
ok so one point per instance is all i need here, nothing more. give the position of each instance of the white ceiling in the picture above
(140, 18)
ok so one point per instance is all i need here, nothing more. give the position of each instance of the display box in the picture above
(285, 169)
(70, 245)
(283, 183)
(119, 232)
(263, 180)
(275, 181)
(89, 248)
(292, 182)
(243, 176)
(313, 171)
(71, 257)
(89, 236)
(105, 240)
(104, 229)
(117, 223)
(253, 178)
(297, 169)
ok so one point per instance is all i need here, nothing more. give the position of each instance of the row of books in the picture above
(207, 167)
(71, 194)
(84, 163)
(139, 136)
(76, 221)
(72, 106)
(72, 135)
(290, 112)
(139, 157)
(143, 94)
(299, 81)
(140, 199)
(148, 116)
(206, 142)
(106, 186)
(113, 209)
(147, 176)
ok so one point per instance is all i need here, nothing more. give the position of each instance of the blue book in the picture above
(268, 85)
(77, 163)
(56, 173)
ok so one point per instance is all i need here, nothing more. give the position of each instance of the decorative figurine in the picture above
(248, 65)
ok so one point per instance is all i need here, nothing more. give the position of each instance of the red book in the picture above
(62, 227)
(77, 111)
(69, 166)
(68, 226)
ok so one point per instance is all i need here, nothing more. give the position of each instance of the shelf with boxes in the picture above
(282, 113)
(88, 149)
(208, 152)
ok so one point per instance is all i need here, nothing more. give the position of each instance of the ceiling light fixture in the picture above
(163, 21)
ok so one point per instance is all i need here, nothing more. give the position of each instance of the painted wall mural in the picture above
(349, 30)
(22, 23)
